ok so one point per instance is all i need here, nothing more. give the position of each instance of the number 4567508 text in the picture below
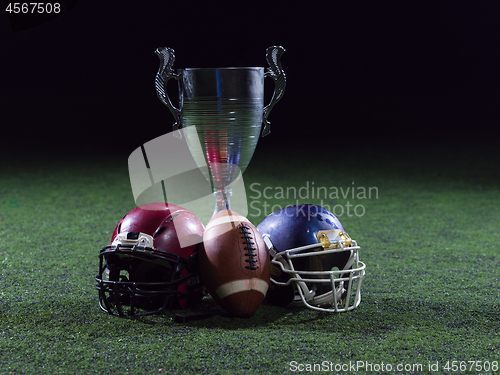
(33, 8)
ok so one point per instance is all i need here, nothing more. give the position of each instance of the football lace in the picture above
(249, 247)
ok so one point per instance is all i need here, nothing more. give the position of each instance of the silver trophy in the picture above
(226, 107)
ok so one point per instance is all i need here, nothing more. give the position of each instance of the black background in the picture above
(379, 74)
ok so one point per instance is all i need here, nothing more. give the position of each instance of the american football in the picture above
(234, 263)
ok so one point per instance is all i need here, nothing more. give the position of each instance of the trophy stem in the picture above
(222, 200)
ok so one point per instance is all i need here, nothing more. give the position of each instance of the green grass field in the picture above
(429, 237)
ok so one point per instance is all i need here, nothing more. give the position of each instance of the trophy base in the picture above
(222, 200)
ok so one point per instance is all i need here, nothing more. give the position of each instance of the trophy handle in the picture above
(165, 73)
(273, 57)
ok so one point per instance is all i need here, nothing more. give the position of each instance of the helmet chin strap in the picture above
(309, 296)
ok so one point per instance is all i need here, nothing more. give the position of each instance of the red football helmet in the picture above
(146, 269)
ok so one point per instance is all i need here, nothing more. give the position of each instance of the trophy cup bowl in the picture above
(226, 107)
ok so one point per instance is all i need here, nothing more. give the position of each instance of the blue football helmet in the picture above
(314, 262)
